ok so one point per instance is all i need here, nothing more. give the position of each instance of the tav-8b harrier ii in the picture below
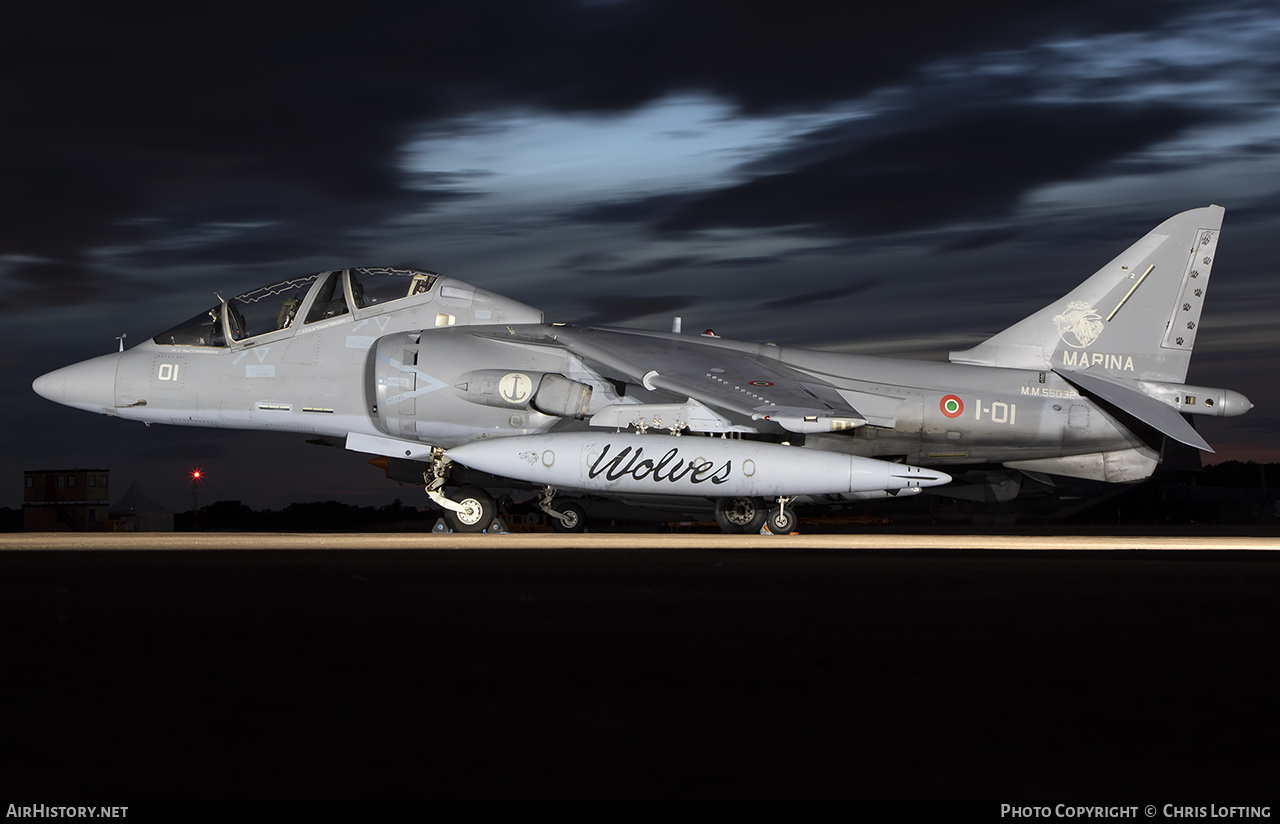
(462, 384)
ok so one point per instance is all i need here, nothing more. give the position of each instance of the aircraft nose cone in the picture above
(89, 385)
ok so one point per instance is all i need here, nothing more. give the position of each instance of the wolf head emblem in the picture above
(1079, 325)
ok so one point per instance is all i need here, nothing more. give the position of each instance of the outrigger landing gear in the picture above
(782, 521)
(470, 509)
(570, 517)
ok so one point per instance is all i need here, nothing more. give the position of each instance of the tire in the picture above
(741, 514)
(783, 524)
(576, 515)
(479, 514)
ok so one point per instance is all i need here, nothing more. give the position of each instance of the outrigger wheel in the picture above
(478, 510)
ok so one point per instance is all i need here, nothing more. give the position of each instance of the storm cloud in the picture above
(780, 158)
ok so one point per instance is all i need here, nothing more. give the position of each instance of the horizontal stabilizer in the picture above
(1146, 409)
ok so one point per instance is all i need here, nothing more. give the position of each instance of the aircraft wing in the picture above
(727, 376)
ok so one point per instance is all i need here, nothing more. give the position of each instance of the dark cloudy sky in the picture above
(880, 178)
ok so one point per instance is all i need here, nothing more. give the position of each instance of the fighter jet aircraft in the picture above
(460, 384)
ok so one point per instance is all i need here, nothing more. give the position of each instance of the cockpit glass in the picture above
(330, 300)
(205, 329)
(372, 287)
(271, 308)
(268, 308)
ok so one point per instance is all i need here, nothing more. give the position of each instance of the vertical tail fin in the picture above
(1134, 318)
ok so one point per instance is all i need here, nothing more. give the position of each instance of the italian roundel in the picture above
(952, 406)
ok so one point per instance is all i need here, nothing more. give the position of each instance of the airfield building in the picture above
(65, 500)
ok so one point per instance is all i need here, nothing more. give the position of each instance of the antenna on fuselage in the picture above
(120, 337)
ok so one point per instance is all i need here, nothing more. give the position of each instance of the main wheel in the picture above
(575, 518)
(478, 510)
(781, 522)
(740, 514)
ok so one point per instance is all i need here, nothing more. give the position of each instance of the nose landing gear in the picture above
(470, 509)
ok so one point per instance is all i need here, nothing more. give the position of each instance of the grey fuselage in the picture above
(321, 379)
(411, 365)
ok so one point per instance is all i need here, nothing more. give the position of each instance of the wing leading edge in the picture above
(740, 379)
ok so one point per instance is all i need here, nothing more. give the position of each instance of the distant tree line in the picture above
(1239, 474)
(317, 516)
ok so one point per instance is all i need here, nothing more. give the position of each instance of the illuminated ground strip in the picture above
(550, 541)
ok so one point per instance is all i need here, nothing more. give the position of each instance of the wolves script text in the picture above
(670, 467)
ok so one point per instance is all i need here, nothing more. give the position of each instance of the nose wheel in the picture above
(469, 509)
(477, 510)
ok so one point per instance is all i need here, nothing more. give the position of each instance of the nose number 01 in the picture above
(167, 372)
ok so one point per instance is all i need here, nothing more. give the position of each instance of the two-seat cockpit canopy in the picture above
(318, 297)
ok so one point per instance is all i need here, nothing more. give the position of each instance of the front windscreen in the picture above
(205, 329)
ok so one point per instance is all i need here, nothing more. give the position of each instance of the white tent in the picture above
(138, 513)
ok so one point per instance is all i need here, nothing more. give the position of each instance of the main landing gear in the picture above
(747, 515)
(741, 514)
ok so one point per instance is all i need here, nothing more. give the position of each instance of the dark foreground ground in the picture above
(640, 673)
